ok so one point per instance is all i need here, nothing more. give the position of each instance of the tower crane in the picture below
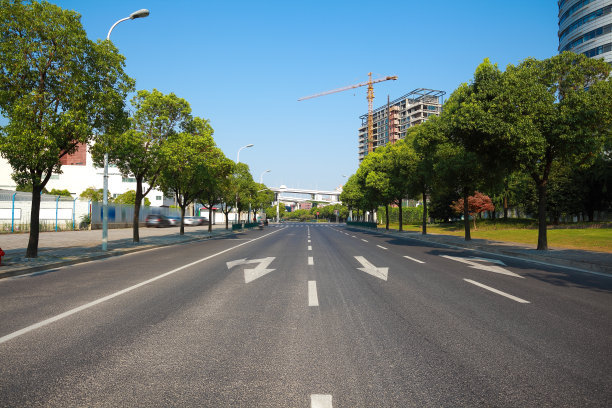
(370, 82)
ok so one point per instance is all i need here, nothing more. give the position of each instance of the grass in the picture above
(525, 232)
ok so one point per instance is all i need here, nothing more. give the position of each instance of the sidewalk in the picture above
(57, 249)
(599, 262)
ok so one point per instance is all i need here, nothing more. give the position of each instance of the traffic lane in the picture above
(28, 299)
(574, 310)
(567, 294)
(203, 337)
(487, 338)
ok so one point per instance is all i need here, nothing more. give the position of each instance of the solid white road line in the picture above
(313, 299)
(381, 247)
(499, 292)
(320, 401)
(70, 312)
(413, 259)
(310, 260)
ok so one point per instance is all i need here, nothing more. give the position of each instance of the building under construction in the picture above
(391, 121)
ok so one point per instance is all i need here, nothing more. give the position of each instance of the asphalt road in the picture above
(306, 316)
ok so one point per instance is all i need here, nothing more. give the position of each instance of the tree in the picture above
(57, 88)
(425, 140)
(136, 151)
(64, 193)
(477, 204)
(540, 112)
(187, 164)
(220, 167)
(93, 194)
(129, 197)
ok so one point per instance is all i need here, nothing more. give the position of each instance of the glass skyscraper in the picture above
(585, 27)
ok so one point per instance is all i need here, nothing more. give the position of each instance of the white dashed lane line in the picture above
(313, 298)
(381, 247)
(413, 259)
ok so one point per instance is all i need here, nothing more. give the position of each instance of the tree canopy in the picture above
(57, 89)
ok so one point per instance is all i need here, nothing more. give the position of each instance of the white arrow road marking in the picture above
(251, 274)
(413, 259)
(313, 298)
(499, 292)
(491, 268)
(371, 269)
(320, 401)
(495, 261)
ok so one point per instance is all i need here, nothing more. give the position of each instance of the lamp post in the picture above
(137, 14)
(261, 177)
(243, 147)
(238, 161)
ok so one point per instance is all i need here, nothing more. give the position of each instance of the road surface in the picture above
(306, 315)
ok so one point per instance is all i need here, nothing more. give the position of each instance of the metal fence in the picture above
(67, 213)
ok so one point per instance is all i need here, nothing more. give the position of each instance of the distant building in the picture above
(393, 119)
(585, 27)
(79, 173)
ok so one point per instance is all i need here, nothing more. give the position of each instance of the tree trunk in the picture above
(401, 216)
(137, 203)
(226, 219)
(210, 218)
(505, 208)
(466, 215)
(542, 238)
(32, 250)
(387, 216)
(424, 230)
(182, 219)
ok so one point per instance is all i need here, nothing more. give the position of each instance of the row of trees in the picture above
(511, 133)
(58, 89)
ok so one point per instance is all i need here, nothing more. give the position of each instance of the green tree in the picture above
(536, 114)
(64, 193)
(136, 151)
(129, 197)
(187, 164)
(94, 194)
(57, 89)
(219, 170)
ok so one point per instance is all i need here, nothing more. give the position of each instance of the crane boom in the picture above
(346, 88)
(370, 97)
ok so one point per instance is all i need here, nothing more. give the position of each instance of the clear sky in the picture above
(243, 65)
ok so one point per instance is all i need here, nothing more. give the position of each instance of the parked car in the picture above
(157, 220)
(174, 221)
(196, 220)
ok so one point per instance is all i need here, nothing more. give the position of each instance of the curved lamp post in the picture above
(243, 147)
(137, 14)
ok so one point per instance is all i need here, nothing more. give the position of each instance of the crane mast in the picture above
(370, 84)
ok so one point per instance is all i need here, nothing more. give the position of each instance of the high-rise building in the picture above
(585, 27)
(393, 119)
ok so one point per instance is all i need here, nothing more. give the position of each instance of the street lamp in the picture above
(137, 14)
(243, 147)
(261, 177)
(238, 161)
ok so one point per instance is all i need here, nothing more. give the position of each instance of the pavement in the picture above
(57, 249)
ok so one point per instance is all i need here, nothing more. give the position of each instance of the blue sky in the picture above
(244, 64)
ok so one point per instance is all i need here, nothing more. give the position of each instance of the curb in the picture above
(93, 257)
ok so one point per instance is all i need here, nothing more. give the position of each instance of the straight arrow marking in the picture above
(367, 267)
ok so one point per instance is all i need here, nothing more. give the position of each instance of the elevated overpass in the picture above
(287, 194)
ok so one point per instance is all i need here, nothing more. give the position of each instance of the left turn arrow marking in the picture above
(253, 273)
